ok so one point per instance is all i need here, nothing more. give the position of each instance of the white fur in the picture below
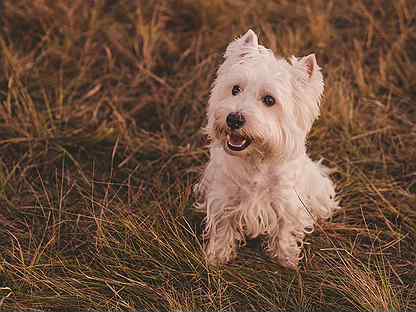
(271, 188)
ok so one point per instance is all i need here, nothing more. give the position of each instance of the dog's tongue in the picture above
(236, 139)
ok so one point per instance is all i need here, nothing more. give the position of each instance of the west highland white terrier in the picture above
(259, 179)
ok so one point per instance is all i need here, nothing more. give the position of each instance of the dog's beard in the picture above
(255, 143)
(244, 142)
(237, 142)
(257, 139)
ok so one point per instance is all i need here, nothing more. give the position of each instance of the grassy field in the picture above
(101, 105)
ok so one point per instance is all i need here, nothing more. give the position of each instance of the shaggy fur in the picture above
(271, 187)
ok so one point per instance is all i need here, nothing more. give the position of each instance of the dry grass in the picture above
(101, 106)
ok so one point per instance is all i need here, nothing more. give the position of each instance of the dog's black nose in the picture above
(235, 120)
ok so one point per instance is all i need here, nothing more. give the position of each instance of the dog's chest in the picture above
(257, 211)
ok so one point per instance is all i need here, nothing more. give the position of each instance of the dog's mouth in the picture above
(237, 142)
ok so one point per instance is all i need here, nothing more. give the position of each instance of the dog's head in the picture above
(261, 104)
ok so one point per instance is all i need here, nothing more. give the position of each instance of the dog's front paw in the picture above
(289, 262)
(286, 248)
(219, 256)
(287, 259)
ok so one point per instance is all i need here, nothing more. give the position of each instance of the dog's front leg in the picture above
(285, 245)
(222, 240)
(285, 242)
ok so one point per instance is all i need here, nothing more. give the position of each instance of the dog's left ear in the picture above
(247, 41)
(310, 65)
(307, 72)
(309, 86)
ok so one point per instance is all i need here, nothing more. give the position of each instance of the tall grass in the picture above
(101, 106)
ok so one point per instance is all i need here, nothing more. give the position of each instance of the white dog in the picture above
(259, 180)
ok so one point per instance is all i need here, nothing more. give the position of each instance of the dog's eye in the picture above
(268, 100)
(236, 90)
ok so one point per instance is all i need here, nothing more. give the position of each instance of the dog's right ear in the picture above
(247, 41)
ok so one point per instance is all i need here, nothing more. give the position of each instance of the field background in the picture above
(101, 105)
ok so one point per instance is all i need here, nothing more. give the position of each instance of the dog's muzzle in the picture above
(237, 142)
(235, 120)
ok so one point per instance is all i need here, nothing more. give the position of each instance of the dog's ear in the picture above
(310, 65)
(309, 86)
(307, 70)
(306, 66)
(247, 41)
(250, 39)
